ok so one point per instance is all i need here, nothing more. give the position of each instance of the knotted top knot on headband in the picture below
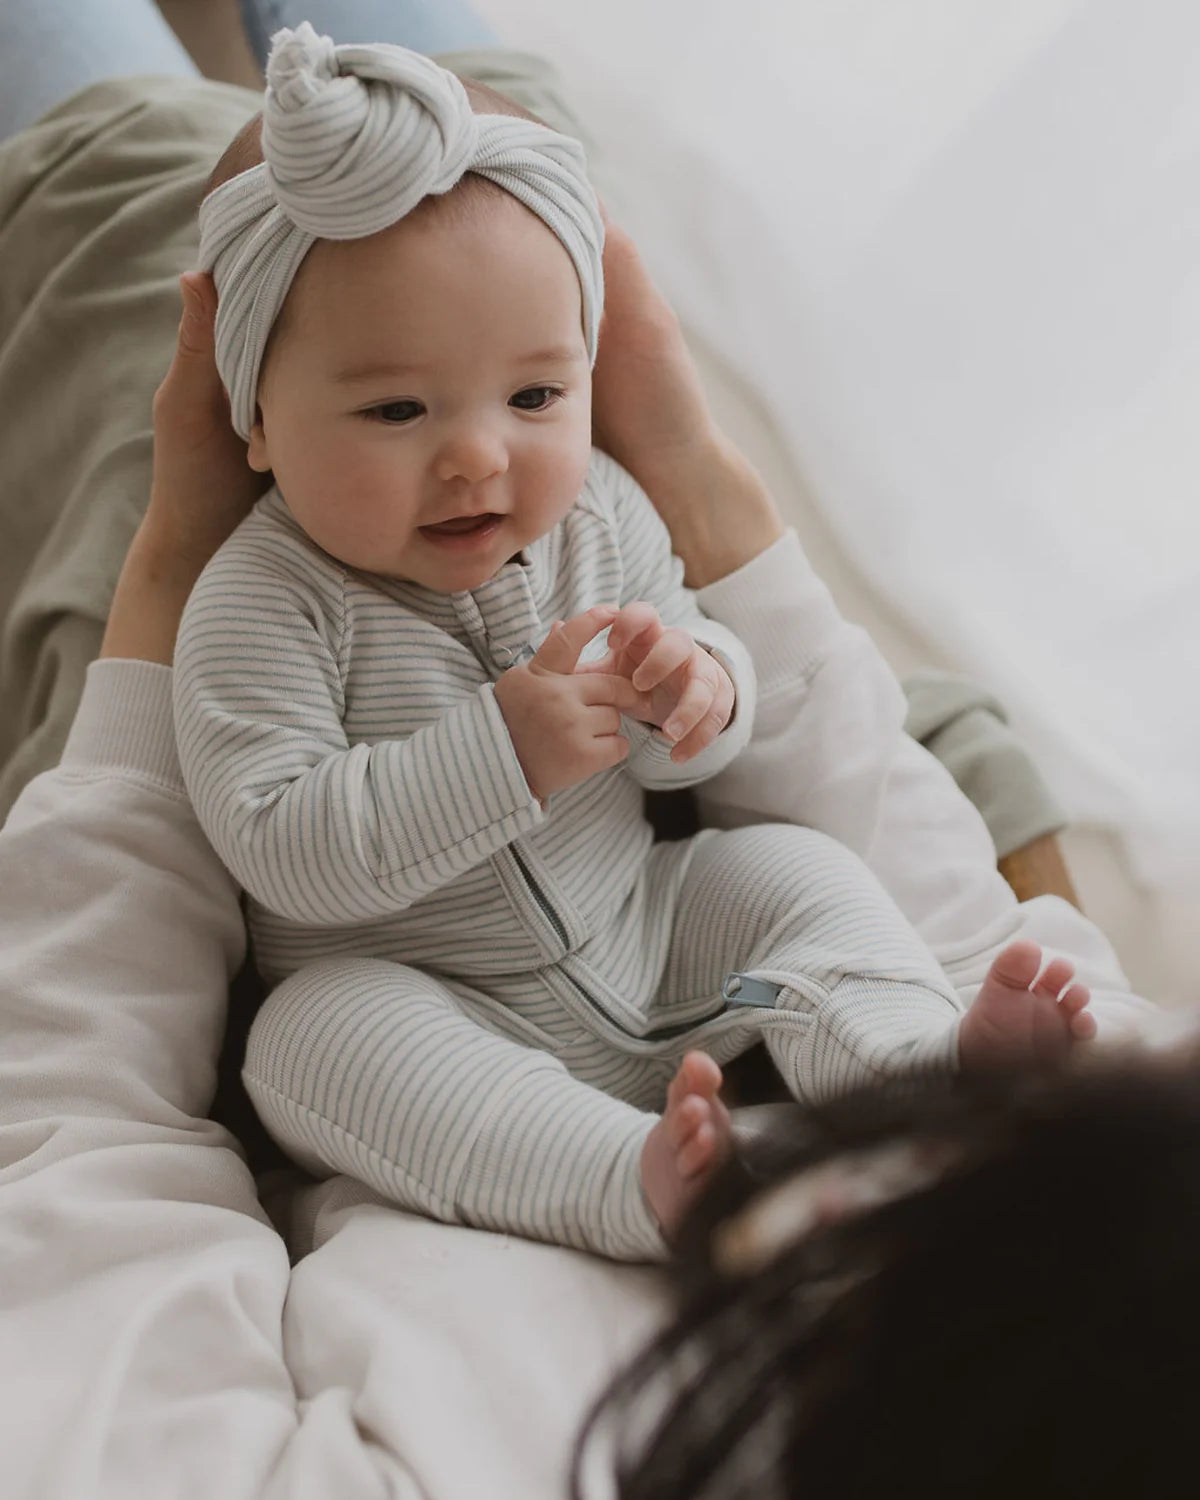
(353, 138)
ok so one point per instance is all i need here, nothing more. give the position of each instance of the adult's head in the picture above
(987, 1288)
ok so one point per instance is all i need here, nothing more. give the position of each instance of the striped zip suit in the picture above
(480, 998)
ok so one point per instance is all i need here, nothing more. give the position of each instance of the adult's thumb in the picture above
(196, 334)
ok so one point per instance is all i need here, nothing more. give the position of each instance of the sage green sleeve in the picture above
(967, 729)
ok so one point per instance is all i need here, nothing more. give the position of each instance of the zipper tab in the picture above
(744, 989)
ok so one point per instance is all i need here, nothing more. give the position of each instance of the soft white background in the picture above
(954, 246)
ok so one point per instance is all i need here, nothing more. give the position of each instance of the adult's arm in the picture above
(144, 1289)
(829, 748)
(141, 1330)
(830, 713)
(652, 573)
(650, 413)
(201, 487)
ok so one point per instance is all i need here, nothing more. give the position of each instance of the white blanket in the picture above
(953, 246)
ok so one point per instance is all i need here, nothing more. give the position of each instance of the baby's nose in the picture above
(473, 454)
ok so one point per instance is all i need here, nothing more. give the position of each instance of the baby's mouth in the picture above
(463, 525)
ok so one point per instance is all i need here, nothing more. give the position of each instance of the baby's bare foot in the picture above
(690, 1141)
(1019, 1016)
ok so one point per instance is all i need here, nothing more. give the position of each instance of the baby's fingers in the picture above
(561, 650)
(601, 690)
(609, 662)
(693, 738)
(639, 622)
(693, 705)
(674, 649)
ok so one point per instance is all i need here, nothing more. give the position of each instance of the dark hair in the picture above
(1026, 1324)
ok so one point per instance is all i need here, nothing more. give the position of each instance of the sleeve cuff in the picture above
(967, 730)
(125, 723)
(464, 788)
(650, 755)
(779, 609)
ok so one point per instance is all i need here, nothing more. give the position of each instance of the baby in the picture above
(420, 691)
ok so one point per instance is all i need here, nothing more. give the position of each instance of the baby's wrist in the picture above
(508, 702)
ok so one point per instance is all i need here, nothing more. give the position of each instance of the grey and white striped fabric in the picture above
(354, 137)
(487, 997)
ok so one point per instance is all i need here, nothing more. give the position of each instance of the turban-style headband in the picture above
(353, 138)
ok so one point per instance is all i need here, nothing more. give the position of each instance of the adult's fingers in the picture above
(197, 328)
(561, 649)
(202, 484)
(192, 377)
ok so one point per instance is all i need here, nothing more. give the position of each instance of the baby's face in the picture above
(427, 407)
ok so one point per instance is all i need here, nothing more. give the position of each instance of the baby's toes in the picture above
(684, 1119)
(1074, 999)
(1017, 966)
(697, 1074)
(1056, 976)
(1074, 1008)
(1082, 1026)
(698, 1150)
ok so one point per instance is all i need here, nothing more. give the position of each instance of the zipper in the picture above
(542, 900)
(661, 1033)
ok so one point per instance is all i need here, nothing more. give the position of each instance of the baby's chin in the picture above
(459, 572)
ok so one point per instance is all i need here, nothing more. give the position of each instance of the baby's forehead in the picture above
(514, 288)
(473, 228)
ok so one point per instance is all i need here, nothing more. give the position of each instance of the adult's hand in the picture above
(202, 487)
(650, 413)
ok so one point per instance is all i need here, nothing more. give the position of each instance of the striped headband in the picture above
(353, 138)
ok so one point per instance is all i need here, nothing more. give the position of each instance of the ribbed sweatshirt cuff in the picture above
(780, 610)
(124, 722)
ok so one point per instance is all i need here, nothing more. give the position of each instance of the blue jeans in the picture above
(50, 49)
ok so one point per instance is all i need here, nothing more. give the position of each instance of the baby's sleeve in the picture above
(318, 830)
(651, 572)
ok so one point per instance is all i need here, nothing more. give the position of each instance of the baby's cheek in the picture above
(359, 508)
(556, 477)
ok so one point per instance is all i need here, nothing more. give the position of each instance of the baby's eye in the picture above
(536, 398)
(396, 412)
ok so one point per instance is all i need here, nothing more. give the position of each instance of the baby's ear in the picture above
(256, 452)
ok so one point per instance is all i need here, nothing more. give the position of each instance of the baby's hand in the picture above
(691, 694)
(566, 725)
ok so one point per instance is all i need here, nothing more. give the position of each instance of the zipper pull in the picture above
(744, 989)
